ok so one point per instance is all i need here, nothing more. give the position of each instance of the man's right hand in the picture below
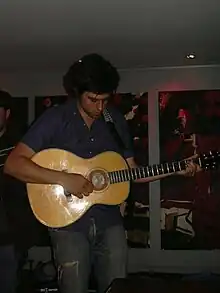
(76, 184)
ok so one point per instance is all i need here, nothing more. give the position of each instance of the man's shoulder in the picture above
(57, 110)
(68, 106)
(53, 114)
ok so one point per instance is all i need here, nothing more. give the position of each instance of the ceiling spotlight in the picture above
(190, 56)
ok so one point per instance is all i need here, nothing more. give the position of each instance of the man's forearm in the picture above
(27, 171)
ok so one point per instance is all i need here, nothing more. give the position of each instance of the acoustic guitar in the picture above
(108, 172)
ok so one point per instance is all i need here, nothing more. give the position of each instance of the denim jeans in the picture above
(76, 252)
(8, 269)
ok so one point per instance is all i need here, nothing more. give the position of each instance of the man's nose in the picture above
(100, 105)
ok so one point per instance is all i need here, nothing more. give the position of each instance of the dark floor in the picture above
(145, 283)
(166, 283)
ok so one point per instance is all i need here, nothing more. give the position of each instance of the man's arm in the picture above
(38, 137)
(20, 166)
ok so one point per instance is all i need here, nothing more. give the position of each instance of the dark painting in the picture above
(18, 122)
(190, 124)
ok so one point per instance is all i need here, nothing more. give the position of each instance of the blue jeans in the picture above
(76, 252)
(8, 269)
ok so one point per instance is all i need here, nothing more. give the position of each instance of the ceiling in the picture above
(51, 34)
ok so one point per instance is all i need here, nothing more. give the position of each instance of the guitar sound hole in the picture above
(99, 179)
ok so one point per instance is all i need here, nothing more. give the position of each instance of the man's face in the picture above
(93, 104)
(4, 115)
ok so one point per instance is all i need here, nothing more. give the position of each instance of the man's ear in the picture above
(8, 113)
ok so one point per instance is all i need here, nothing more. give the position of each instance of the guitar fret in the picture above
(132, 174)
(148, 173)
(110, 174)
(128, 174)
(124, 175)
(177, 167)
(152, 170)
(119, 176)
(135, 173)
(114, 175)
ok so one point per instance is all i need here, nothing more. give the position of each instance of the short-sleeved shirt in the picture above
(63, 127)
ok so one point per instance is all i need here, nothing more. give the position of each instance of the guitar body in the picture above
(49, 203)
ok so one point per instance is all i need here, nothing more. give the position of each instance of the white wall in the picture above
(166, 78)
(151, 80)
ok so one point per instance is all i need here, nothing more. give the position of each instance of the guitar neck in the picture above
(149, 171)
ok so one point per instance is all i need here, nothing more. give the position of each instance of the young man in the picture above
(98, 238)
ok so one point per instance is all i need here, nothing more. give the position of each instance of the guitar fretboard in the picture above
(149, 171)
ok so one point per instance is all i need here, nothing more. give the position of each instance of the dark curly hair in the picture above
(5, 99)
(91, 73)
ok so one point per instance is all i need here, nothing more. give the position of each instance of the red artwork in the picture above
(189, 123)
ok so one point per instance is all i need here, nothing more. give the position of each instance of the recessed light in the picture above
(191, 56)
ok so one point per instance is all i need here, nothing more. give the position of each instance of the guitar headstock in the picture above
(210, 160)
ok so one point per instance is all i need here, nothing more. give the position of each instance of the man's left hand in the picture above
(191, 168)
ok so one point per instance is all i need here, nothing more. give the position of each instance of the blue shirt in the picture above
(63, 127)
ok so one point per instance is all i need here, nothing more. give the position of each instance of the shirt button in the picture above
(92, 139)
(90, 153)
